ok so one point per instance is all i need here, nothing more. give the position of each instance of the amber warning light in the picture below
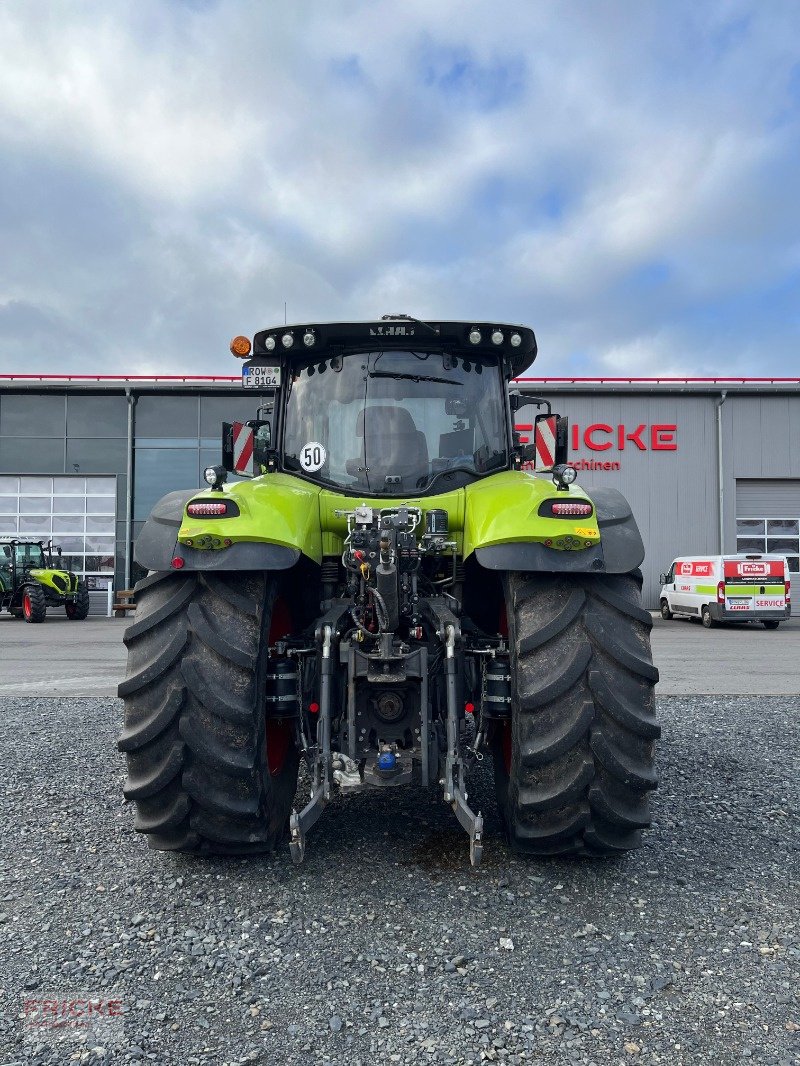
(240, 346)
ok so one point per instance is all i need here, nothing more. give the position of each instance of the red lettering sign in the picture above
(662, 438)
(697, 569)
(590, 442)
(636, 437)
(754, 568)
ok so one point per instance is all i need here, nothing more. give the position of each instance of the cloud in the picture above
(621, 177)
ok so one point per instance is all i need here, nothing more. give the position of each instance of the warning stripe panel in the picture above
(243, 444)
(545, 442)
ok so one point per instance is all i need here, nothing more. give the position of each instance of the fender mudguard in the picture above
(619, 550)
(157, 544)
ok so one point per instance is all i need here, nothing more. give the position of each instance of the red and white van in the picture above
(727, 588)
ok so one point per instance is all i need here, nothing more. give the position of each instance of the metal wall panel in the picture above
(768, 498)
(673, 494)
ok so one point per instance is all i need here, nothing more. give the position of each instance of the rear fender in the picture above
(278, 520)
(506, 532)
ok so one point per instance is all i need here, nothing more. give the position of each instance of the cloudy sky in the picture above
(622, 175)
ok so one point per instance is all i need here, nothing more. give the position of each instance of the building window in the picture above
(77, 513)
(776, 536)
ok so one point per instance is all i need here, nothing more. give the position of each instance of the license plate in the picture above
(261, 377)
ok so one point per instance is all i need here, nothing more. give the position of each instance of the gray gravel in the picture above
(385, 946)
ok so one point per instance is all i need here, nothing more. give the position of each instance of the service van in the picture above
(727, 588)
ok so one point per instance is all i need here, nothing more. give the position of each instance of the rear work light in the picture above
(212, 509)
(721, 592)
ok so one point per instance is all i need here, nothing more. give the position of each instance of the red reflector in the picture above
(572, 508)
(314, 708)
(469, 708)
(200, 509)
(178, 563)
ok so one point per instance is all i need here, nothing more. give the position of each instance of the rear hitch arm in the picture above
(455, 794)
(299, 824)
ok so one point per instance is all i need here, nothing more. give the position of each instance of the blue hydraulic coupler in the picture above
(387, 761)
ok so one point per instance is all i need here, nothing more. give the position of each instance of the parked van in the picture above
(727, 588)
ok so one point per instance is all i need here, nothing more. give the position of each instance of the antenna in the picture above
(284, 312)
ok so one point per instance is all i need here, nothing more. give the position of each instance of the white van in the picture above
(727, 588)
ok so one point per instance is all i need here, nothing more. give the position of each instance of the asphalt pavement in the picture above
(59, 657)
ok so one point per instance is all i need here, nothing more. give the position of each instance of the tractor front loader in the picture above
(390, 595)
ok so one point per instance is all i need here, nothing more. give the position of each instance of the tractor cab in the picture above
(382, 409)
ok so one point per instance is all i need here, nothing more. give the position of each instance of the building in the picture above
(708, 465)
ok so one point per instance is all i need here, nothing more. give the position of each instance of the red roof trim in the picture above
(117, 377)
(665, 381)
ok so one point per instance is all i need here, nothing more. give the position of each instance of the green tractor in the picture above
(29, 583)
(405, 586)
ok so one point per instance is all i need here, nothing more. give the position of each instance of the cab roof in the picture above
(515, 344)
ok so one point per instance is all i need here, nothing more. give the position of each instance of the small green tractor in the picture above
(29, 583)
(405, 585)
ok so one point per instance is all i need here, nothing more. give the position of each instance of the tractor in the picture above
(399, 584)
(30, 583)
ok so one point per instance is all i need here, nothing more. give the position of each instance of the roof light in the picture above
(287, 340)
(309, 339)
(497, 337)
(240, 346)
(515, 339)
(269, 344)
(474, 336)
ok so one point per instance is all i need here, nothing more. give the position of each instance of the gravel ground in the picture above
(385, 946)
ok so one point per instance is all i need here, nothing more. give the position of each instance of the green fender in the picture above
(505, 531)
(277, 520)
(280, 517)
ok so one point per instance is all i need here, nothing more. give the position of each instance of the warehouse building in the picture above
(708, 465)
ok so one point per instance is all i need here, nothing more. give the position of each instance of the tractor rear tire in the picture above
(575, 763)
(78, 609)
(201, 768)
(34, 605)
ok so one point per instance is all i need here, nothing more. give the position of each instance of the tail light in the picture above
(205, 509)
(572, 508)
(565, 509)
(788, 590)
(721, 592)
(212, 509)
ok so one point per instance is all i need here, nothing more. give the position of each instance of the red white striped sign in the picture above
(545, 442)
(243, 439)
